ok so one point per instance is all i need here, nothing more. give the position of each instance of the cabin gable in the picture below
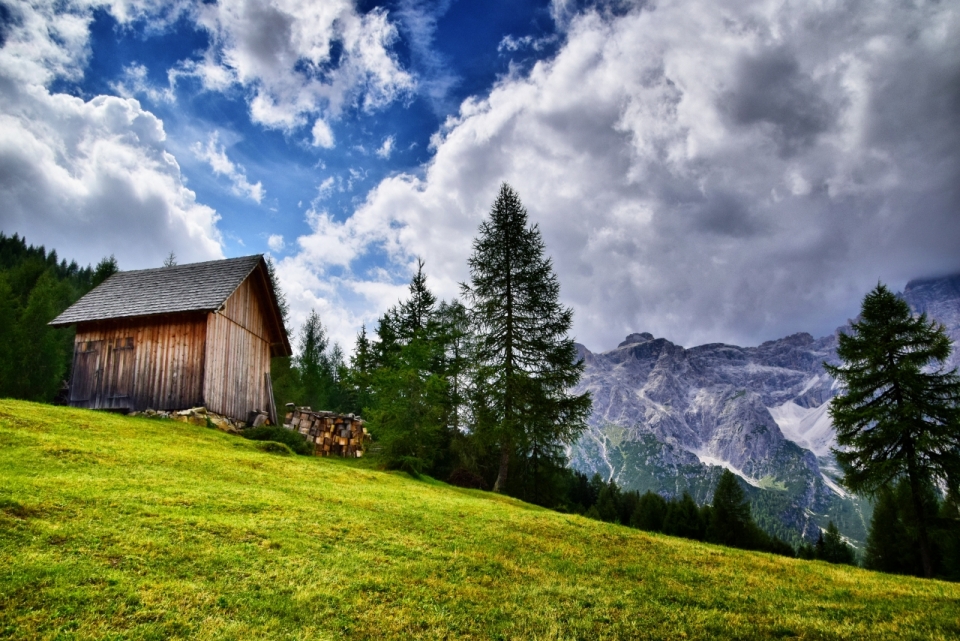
(238, 353)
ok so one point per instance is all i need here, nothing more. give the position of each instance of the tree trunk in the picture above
(915, 492)
(502, 474)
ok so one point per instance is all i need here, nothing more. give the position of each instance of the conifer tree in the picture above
(274, 282)
(650, 513)
(458, 354)
(949, 539)
(357, 379)
(408, 407)
(730, 522)
(283, 373)
(8, 339)
(41, 362)
(418, 314)
(887, 540)
(526, 361)
(892, 542)
(608, 503)
(897, 417)
(316, 370)
(832, 548)
(683, 519)
(106, 268)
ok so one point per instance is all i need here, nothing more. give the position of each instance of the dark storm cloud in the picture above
(728, 215)
(771, 91)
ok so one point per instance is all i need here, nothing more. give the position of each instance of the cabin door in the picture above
(85, 380)
(103, 373)
(117, 386)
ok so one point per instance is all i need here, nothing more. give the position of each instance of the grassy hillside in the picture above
(115, 527)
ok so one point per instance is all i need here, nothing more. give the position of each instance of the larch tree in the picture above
(526, 360)
(897, 417)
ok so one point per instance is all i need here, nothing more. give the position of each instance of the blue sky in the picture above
(454, 48)
(700, 169)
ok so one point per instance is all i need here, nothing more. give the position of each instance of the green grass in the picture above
(115, 527)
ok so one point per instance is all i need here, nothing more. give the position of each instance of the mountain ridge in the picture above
(667, 418)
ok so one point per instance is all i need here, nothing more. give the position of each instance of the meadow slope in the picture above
(115, 527)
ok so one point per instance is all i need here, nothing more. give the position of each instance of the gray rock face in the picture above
(938, 298)
(667, 419)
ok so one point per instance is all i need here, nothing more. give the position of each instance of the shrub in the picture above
(273, 447)
(462, 477)
(293, 440)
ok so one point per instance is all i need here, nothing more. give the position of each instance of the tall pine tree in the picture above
(897, 417)
(526, 361)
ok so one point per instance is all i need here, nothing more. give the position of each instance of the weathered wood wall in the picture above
(155, 362)
(238, 353)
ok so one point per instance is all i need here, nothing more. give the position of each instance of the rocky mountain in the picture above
(938, 298)
(668, 419)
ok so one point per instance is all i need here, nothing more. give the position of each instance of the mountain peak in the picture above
(634, 339)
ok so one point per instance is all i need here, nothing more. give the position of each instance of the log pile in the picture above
(332, 433)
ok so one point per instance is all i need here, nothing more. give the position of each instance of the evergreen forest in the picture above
(35, 286)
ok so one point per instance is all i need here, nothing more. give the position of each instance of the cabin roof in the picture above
(195, 287)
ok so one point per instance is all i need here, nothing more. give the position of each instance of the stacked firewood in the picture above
(332, 433)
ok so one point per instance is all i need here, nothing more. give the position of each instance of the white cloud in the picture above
(87, 177)
(324, 189)
(284, 52)
(386, 148)
(511, 44)
(275, 242)
(704, 171)
(92, 178)
(343, 300)
(135, 83)
(215, 155)
(435, 77)
(322, 135)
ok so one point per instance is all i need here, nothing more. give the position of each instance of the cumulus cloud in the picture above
(322, 135)
(275, 242)
(92, 175)
(386, 148)
(136, 83)
(300, 58)
(345, 301)
(730, 171)
(214, 154)
(95, 176)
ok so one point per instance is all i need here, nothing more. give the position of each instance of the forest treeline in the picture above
(35, 286)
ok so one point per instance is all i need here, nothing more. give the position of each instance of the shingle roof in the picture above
(146, 292)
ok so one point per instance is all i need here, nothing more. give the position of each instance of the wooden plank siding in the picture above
(238, 353)
(217, 356)
(142, 363)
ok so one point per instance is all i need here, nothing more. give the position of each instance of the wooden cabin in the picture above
(178, 337)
